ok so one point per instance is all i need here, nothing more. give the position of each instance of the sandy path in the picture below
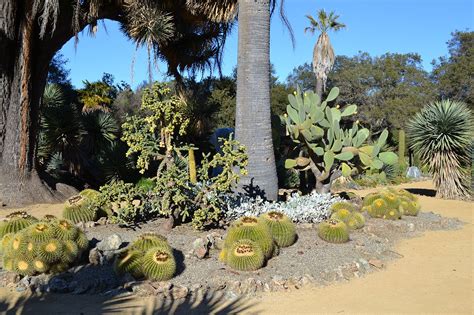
(435, 276)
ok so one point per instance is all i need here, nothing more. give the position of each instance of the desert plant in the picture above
(441, 134)
(333, 231)
(78, 209)
(129, 261)
(402, 163)
(149, 240)
(42, 247)
(254, 229)
(343, 205)
(392, 214)
(15, 222)
(326, 149)
(282, 228)
(158, 264)
(342, 215)
(245, 255)
(355, 221)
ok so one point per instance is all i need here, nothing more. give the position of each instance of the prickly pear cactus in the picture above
(323, 146)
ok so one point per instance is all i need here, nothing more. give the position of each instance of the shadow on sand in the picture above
(210, 303)
(422, 191)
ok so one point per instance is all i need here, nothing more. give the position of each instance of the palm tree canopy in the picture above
(323, 53)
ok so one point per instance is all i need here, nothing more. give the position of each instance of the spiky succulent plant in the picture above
(283, 230)
(78, 209)
(392, 214)
(43, 247)
(343, 214)
(158, 264)
(129, 261)
(245, 255)
(254, 229)
(378, 208)
(441, 134)
(149, 240)
(15, 222)
(409, 207)
(342, 205)
(333, 231)
(356, 221)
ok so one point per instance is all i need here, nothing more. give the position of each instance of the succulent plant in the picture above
(6, 239)
(333, 231)
(89, 193)
(328, 150)
(342, 205)
(283, 230)
(254, 229)
(49, 218)
(378, 208)
(343, 214)
(65, 230)
(158, 264)
(223, 255)
(129, 261)
(370, 198)
(77, 209)
(245, 255)
(392, 200)
(149, 240)
(15, 222)
(356, 221)
(39, 248)
(392, 214)
(409, 207)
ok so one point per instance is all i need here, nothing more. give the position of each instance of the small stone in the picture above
(179, 292)
(111, 243)
(411, 227)
(200, 248)
(89, 224)
(102, 221)
(95, 257)
(364, 264)
(376, 263)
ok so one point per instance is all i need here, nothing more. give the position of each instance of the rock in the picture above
(306, 225)
(102, 221)
(89, 224)
(66, 190)
(111, 243)
(179, 292)
(200, 248)
(411, 227)
(96, 257)
(413, 172)
(8, 278)
(58, 285)
(214, 240)
(377, 263)
(249, 286)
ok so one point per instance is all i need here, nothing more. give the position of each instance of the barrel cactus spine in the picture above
(283, 230)
(245, 255)
(333, 231)
(158, 264)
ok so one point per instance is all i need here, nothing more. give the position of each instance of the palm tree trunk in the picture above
(253, 118)
(319, 87)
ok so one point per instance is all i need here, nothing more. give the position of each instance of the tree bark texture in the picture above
(24, 63)
(253, 117)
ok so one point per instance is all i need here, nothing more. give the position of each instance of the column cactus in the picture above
(401, 151)
(330, 151)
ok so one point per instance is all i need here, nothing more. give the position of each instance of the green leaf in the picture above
(318, 150)
(293, 102)
(346, 170)
(365, 159)
(307, 124)
(333, 94)
(324, 123)
(336, 114)
(344, 156)
(389, 158)
(316, 132)
(337, 146)
(293, 114)
(290, 163)
(383, 138)
(316, 114)
(377, 164)
(328, 160)
(349, 110)
(361, 136)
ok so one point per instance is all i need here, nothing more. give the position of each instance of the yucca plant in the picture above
(441, 134)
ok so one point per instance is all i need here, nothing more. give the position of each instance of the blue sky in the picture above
(375, 26)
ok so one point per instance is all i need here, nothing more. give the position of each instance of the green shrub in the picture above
(441, 134)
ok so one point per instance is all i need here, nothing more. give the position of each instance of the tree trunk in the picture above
(24, 63)
(319, 88)
(253, 118)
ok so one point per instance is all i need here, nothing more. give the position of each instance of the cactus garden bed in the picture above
(310, 261)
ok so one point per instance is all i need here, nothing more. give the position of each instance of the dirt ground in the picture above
(434, 276)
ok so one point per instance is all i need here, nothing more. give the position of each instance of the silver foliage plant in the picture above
(312, 208)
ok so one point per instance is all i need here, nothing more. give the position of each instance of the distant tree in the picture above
(302, 76)
(388, 89)
(58, 73)
(323, 53)
(454, 74)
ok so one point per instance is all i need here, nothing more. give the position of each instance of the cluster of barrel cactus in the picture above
(345, 217)
(43, 246)
(391, 203)
(250, 241)
(149, 256)
(323, 146)
(80, 208)
(15, 222)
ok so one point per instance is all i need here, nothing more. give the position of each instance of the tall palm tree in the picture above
(323, 53)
